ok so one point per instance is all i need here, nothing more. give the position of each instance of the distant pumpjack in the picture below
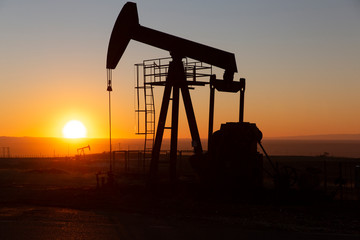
(81, 151)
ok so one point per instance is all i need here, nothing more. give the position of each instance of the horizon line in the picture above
(336, 136)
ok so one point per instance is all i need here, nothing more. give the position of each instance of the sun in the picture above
(74, 129)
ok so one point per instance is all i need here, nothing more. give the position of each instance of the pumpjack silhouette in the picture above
(232, 157)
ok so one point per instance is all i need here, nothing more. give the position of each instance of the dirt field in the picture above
(58, 198)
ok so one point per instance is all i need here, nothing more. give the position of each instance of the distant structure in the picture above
(81, 151)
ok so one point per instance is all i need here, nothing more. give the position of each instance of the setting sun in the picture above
(74, 129)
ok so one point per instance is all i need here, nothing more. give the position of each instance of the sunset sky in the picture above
(301, 60)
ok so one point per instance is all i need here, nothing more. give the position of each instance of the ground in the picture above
(58, 203)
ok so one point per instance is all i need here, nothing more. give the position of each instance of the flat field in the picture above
(58, 198)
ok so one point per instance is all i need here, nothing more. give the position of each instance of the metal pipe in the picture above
(242, 93)
(211, 109)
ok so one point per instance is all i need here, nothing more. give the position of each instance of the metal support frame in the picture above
(174, 133)
(175, 82)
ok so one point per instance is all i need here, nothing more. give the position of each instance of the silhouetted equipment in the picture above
(233, 160)
(154, 72)
(81, 151)
(242, 95)
(232, 150)
(127, 27)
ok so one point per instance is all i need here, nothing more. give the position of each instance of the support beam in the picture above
(159, 134)
(211, 109)
(191, 120)
(176, 81)
(174, 133)
(242, 93)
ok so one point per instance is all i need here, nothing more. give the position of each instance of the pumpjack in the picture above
(81, 151)
(232, 155)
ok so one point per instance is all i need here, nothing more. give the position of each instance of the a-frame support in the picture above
(175, 82)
